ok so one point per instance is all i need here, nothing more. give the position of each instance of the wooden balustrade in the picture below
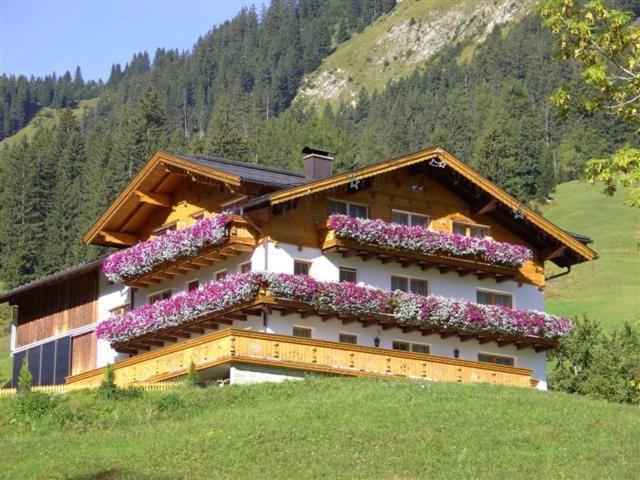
(249, 347)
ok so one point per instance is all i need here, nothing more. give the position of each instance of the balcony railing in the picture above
(428, 249)
(209, 240)
(236, 296)
(254, 348)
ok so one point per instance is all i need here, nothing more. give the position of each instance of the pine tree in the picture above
(25, 379)
(192, 376)
(224, 138)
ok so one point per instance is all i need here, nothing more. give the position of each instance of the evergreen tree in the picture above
(192, 376)
(25, 379)
(225, 138)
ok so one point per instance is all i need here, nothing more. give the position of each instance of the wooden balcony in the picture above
(443, 263)
(254, 348)
(242, 239)
(236, 315)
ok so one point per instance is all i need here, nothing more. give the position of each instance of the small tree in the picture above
(192, 377)
(25, 379)
(108, 386)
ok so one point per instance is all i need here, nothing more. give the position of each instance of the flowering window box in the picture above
(427, 247)
(153, 257)
(340, 299)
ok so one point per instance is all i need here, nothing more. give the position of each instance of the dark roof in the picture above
(318, 151)
(584, 239)
(249, 172)
(52, 278)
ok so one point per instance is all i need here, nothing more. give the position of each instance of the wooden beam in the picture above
(481, 208)
(483, 275)
(427, 331)
(367, 323)
(124, 239)
(229, 251)
(504, 343)
(150, 341)
(464, 272)
(483, 340)
(243, 248)
(180, 334)
(542, 348)
(465, 337)
(551, 253)
(223, 321)
(447, 269)
(409, 329)
(306, 313)
(210, 325)
(504, 278)
(193, 329)
(156, 199)
(447, 334)
(168, 338)
(408, 263)
(287, 311)
(426, 266)
(522, 346)
(388, 326)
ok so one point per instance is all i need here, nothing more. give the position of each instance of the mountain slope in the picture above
(324, 428)
(402, 40)
(607, 290)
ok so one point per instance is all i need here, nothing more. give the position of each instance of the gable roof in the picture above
(436, 159)
(153, 179)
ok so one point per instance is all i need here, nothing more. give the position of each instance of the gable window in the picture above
(193, 285)
(245, 267)
(221, 274)
(470, 229)
(488, 297)
(348, 338)
(496, 359)
(349, 209)
(413, 285)
(410, 219)
(156, 297)
(302, 332)
(165, 228)
(411, 347)
(348, 275)
(300, 267)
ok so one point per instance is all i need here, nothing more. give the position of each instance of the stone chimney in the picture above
(318, 163)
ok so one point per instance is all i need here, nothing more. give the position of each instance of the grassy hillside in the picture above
(608, 289)
(399, 42)
(47, 117)
(325, 428)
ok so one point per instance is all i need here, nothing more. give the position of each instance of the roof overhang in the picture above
(436, 159)
(150, 189)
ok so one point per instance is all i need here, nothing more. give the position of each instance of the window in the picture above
(410, 219)
(300, 267)
(156, 297)
(413, 285)
(411, 347)
(470, 230)
(348, 275)
(496, 359)
(49, 363)
(348, 338)
(193, 285)
(349, 209)
(302, 332)
(221, 274)
(487, 297)
(165, 228)
(121, 310)
(245, 267)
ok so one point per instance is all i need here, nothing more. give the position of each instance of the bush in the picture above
(590, 362)
(192, 377)
(25, 379)
(34, 404)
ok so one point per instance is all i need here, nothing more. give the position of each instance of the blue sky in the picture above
(41, 36)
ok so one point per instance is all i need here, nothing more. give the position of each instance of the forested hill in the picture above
(231, 96)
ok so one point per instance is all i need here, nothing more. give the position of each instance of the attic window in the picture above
(410, 219)
(349, 209)
(470, 229)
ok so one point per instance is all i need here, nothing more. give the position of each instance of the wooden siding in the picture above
(391, 191)
(57, 308)
(243, 346)
(83, 353)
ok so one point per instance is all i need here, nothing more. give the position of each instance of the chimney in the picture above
(318, 163)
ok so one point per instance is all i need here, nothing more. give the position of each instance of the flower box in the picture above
(144, 257)
(421, 240)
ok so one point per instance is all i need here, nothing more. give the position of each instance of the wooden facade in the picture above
(57, 308)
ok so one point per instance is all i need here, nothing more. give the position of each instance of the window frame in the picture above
(244, 264)
(495, 355)
(494, 292)
(469, 225)
(159, 292)
(190, 282)
(348, 334)
(352, 269)
(348, 203)
(412, 214)
(216, 276)
(411, 344)
(300, 261)
(409, 280)
(302, 327)
(120, 307)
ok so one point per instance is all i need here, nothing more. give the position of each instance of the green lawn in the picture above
(607, 289)
(325, 428)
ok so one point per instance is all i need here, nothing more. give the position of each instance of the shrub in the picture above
(108, 387)
(34, 404)
(25, 379)
(591, 362)
(192, 377)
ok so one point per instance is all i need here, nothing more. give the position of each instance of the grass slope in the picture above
(47, 117)
(326, 428)
(400, 41)
(607, 289)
